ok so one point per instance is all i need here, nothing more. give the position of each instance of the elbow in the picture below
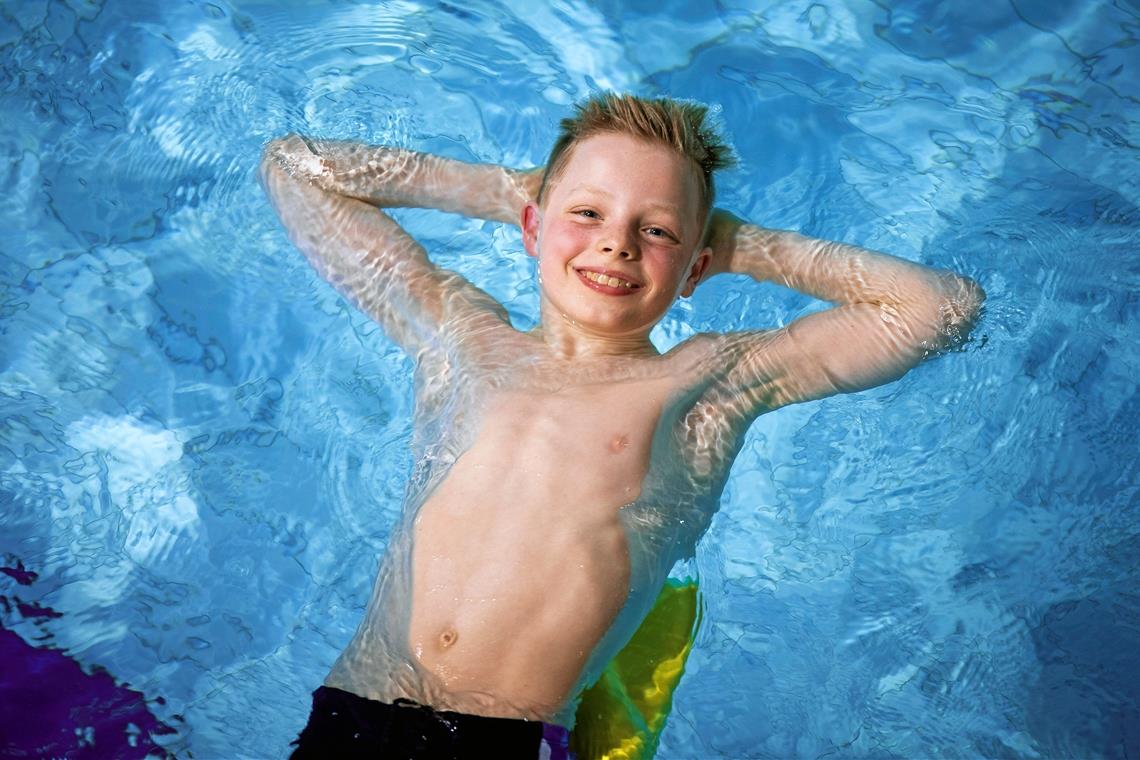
(959, 308)
(966, 301)
(277, 150)
(290, 151)
(290, 157)
(270, 159)
(977, 297)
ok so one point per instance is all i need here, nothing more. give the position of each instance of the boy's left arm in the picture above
(889, 314)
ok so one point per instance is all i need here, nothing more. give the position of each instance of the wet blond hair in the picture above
(677, 124)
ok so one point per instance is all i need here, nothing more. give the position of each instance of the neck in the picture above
(570, 340)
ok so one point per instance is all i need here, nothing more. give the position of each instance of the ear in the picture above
(700, 266)
(530, 219)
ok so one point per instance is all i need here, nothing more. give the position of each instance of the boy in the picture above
(561, 473)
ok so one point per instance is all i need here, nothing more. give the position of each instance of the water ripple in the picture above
(191, 420)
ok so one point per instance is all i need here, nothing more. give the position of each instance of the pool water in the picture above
(203, 447)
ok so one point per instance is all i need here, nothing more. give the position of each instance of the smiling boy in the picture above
(560, 473)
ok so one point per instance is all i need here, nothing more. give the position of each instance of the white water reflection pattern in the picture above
(202, 447)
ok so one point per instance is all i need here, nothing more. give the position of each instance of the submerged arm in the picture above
(395, 177)
(889, 313)
(327, 194)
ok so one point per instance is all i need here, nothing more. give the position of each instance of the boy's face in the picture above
(617, 238)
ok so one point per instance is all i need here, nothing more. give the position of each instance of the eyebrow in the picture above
(668, 208)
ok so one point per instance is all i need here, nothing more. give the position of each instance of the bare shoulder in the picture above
(714, 359)
(735, 376)
(709, 413)
(694, 359)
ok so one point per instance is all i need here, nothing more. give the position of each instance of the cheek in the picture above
(665, 269)
(559, 245)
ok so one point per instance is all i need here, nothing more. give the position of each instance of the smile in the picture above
(606, 280)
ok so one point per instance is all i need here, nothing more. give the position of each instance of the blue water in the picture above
(202, 447)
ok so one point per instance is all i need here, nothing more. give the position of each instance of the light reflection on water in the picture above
(203, 447)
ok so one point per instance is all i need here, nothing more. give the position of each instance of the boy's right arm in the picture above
(327, 194)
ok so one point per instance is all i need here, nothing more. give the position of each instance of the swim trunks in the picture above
(345, 725)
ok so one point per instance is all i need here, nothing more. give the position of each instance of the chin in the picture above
(618, 328)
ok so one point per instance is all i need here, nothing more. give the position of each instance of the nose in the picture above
(619, 241)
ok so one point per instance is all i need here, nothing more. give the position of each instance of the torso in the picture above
(541, 526)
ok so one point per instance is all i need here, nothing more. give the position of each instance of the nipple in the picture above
(447, 638)
(619, 443)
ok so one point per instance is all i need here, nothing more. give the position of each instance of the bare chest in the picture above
(593, 441)
(531, 439)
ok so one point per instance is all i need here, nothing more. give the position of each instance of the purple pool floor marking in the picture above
(50, 707)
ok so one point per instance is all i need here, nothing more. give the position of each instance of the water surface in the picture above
(202, 447)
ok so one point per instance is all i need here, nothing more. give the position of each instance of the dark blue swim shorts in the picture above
(345, 725)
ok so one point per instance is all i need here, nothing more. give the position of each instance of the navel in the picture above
(448, 638)
(619, 443)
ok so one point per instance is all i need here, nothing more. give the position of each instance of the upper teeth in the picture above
(605, 279)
